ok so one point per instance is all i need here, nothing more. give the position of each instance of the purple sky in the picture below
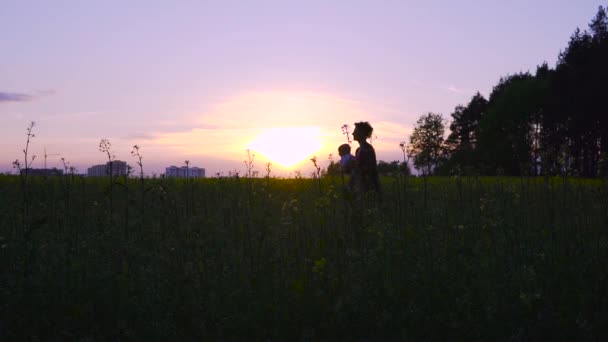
(200, 80)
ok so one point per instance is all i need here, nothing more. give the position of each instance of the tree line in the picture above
(552, 122)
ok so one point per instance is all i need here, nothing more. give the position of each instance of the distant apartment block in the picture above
(118, 167)
(185, 172)
(43, 172)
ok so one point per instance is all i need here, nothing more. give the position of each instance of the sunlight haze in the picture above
(205, 81)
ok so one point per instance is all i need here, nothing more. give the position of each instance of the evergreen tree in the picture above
(462, 142)
(552, 122)
(578, 93)
(507, 130)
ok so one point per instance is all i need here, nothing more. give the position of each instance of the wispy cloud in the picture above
(77, 115)
(15, 97)
(167, 126)
(22, 97)
(140, 136)
(457, 90)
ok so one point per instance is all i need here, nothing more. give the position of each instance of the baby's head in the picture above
(344, 149)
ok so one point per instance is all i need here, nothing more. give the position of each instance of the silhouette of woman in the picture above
(365, 158)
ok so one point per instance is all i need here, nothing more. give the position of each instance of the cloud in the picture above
(47, 92)
(392, 130)
(21, 97)
(15, 97)
(139, 136)
(167, 126)
(456, 90)
(78, 115)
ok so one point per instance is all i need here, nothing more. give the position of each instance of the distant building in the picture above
(43, 172)
(185, 172)
(97, 171)
(118, 167)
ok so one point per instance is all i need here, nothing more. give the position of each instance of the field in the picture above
(437, 259)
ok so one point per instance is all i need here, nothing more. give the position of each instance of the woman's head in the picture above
(363, 130)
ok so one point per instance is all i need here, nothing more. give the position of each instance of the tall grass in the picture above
(276, 259)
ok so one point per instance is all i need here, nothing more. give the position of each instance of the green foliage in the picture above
(427, 142)
(275, 259)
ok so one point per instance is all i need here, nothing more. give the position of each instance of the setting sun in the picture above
(287, 146)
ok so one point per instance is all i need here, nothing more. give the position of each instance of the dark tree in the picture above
(509, 132)
(548, 123)
(333, 169)
(427, 143)
(578, 93)
(461, 144)
(393, 168)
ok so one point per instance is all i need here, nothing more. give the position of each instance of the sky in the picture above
(205, 81)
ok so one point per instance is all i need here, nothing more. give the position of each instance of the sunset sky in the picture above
(207, 80)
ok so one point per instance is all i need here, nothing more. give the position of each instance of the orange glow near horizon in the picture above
(287, 146)
(286, 128)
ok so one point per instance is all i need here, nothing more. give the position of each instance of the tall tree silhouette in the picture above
(461, 144)
(507, 132)
(578, 98)
(598, 84)
(552, 122)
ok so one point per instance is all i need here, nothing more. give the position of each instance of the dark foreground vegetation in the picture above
(474, 259)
